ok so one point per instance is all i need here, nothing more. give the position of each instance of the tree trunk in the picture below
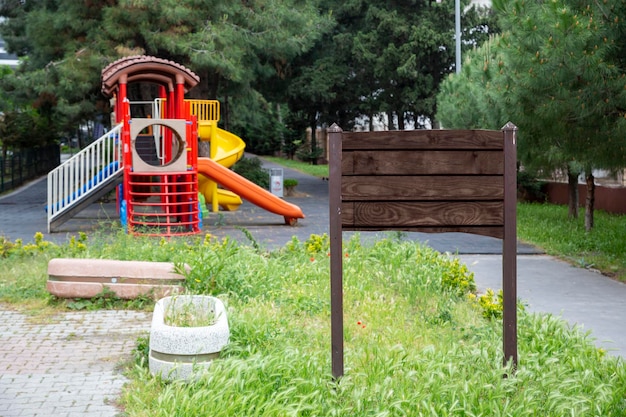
(590, 201)
(572, 185)
(314, 140)
(400, 120)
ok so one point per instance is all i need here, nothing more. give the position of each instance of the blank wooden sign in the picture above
(424, 181)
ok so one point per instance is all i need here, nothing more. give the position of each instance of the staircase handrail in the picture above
(73, 180)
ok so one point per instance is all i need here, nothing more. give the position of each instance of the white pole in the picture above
(457, 33)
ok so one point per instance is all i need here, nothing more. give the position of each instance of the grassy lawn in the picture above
(604, 248)
(320, 171)
(418, 341)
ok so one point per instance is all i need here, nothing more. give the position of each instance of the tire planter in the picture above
(185, 352)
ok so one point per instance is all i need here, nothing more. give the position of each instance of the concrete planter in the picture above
(183, 352)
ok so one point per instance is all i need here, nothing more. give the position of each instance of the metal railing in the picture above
(205, 110)
(73, 181)
(27, 164)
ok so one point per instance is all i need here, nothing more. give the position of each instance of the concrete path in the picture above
(46, 368)
(582, 297)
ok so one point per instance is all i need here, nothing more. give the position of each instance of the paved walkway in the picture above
(68, 367)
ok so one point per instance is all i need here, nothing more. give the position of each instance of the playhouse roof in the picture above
(148, 69)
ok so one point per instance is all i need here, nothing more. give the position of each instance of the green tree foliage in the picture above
(558, 72)
(330, 61)
(570, 84)
(235, 47)
(60, 64)
(381, 57)
(259, 122)
(476, 98)
(25, 129)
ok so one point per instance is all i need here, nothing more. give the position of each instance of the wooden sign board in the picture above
(424, 181)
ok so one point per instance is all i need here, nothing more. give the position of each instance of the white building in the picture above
(7, 58)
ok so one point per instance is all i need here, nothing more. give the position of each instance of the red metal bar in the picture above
(126, 150)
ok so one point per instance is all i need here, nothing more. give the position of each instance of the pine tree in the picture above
(568, 90)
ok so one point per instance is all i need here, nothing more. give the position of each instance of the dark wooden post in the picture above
(336, 261)
(509, 247)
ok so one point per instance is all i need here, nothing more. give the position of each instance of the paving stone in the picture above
(67, 367)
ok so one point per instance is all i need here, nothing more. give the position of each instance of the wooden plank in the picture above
(416, 214)
(490, 231)
(423, 139)
(431, 188)
(431, 162)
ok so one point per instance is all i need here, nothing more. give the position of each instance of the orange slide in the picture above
(249, 190)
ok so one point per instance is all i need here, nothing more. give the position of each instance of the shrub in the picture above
(252, 170)
(529, 188)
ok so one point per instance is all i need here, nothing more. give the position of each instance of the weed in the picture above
(220, 221)
(251, 238)
(183, 311)
(106, 299)
(142, 351)
(317, 244)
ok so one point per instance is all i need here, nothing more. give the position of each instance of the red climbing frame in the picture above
(159, 200)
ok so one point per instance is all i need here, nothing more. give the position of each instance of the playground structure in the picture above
(153, 160)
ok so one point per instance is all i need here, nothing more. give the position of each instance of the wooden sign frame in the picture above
(424, 181)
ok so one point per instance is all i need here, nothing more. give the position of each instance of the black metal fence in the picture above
(21, 166)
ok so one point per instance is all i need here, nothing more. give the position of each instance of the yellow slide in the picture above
(226, 150)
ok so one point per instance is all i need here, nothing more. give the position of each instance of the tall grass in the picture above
(415, 343)
(604, 248)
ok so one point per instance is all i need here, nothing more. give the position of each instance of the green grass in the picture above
(604, 248)
(320, 171)
(416, 341)
(415, 344)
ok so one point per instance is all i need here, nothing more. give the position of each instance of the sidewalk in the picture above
(547, 285)
(68, 367)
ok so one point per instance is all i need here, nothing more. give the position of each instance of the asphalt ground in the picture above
(22, 214)
(69, 366)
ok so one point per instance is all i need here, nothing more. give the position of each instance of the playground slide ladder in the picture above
(84, 178)
(164, 204)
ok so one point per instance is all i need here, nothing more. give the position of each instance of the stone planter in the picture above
(184, 352)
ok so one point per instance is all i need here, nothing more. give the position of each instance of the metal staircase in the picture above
(84, 178)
